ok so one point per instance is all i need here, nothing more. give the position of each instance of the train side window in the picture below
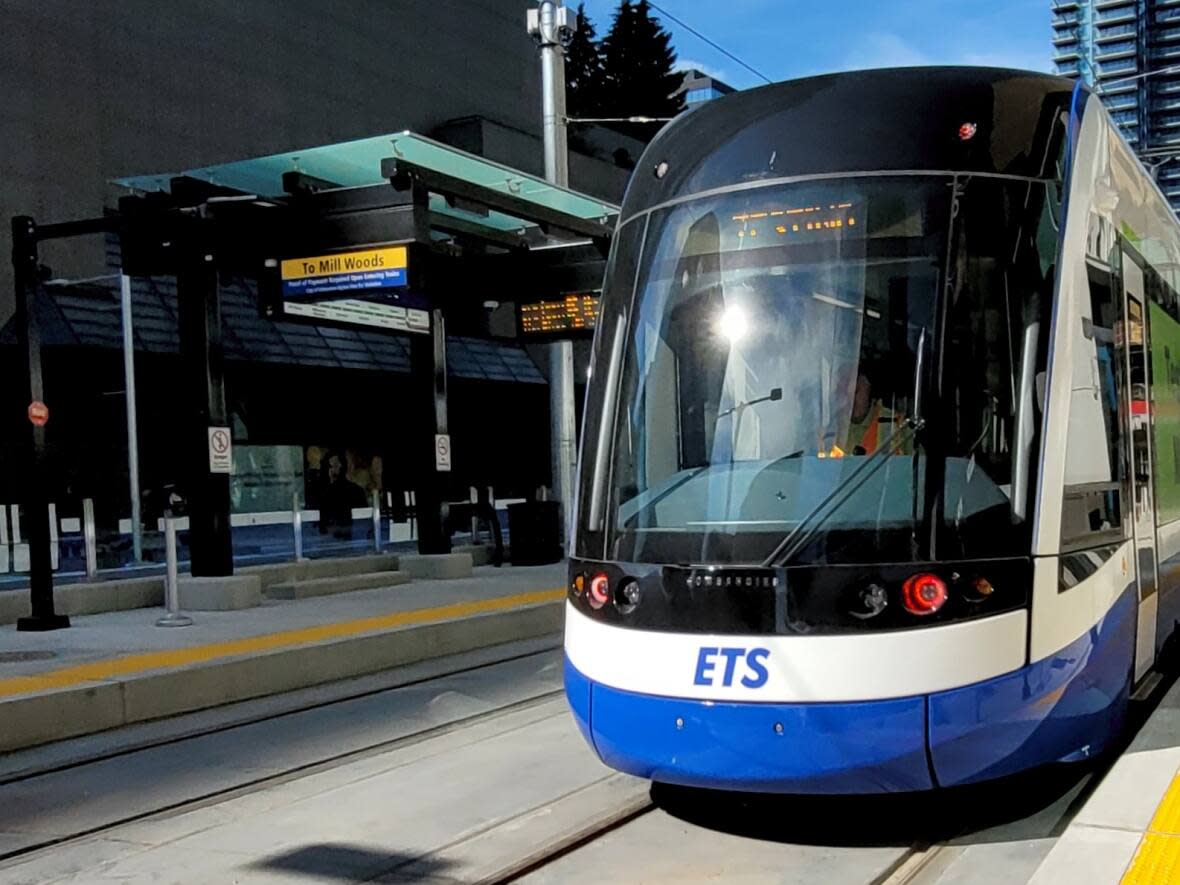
(1163, 316)
(1092, 506)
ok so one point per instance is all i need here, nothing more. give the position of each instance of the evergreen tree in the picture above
(639, 61)
(583, 69)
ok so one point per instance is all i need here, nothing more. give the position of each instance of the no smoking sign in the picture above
(221, 456)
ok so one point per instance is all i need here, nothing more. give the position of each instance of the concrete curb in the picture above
(89, 597)
(39, 718)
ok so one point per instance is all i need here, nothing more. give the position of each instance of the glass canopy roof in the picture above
(358, 164)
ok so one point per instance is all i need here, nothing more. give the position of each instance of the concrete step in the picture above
(311, 569)
(437, 566)
(303, 589)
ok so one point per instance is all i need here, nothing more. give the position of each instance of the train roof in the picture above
(985, 120)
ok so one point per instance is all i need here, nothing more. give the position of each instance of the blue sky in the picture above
(795, 38)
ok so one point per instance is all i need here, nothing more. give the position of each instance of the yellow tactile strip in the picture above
(1157, 859)
(129, 665)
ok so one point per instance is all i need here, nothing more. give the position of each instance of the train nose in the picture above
(868, 747)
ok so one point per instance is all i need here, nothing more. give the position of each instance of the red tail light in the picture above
(923, 594)
(599, 591)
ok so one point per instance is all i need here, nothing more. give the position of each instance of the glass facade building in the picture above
(1119, 47)
(699, 87)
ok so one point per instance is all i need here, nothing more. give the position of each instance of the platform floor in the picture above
(119, 635)
(1128, 831)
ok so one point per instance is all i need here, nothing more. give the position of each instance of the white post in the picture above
(297, 526)
(90, 538)
(376, 500)
(474, 495)
(132, 425)
(173, 618)
(5, 548)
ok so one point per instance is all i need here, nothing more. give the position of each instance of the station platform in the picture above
(1128, 831)
(118, 668)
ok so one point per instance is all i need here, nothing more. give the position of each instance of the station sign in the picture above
(344, 274)
(359, 288)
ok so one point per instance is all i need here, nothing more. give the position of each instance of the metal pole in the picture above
(89, 538)
(377, 520)
(428, 359)
(203, 393)
(551, 19)
(173, 618)
(26, 268)
(297, 526)
(132, 431)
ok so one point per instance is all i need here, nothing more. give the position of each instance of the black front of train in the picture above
(821, 358)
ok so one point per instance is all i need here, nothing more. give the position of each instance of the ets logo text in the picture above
(721, 666)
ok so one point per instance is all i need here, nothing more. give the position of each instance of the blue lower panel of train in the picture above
(1066, 707)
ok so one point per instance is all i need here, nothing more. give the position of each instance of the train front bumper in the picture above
(1066, 707)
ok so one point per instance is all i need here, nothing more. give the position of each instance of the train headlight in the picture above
(627, 596)
(873, 601)
(599, 592)
(923, 594)
(732, 324)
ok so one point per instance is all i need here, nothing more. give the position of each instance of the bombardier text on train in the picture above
(880, 477)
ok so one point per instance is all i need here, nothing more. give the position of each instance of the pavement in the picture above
(117, 668)
(1128, 831)
(452, 778)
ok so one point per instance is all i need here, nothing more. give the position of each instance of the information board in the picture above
(358, 312)
(569, 316)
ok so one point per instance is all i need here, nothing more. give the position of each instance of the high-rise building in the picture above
(700, 87)
(1129, 52)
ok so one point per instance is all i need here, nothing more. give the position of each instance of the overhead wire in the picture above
(702, 37)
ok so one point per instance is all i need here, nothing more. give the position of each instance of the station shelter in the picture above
(391, 255)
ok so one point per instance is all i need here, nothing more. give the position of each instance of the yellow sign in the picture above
(344, 272)
(385, 258)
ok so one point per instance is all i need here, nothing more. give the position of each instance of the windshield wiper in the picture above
(802, 533)
(774, 396)
(805, 530)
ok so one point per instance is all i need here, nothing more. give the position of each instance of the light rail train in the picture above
(879, 485)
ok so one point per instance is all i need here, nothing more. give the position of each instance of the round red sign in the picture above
(38, 413)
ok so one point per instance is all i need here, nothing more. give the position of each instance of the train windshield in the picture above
(839, 370)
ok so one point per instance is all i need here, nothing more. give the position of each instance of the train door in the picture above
(1143, 504)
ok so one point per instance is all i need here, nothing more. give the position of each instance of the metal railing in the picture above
(85, 544)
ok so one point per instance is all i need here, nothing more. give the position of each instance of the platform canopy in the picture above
(468, 194)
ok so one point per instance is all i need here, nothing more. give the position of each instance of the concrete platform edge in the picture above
(34, 719)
